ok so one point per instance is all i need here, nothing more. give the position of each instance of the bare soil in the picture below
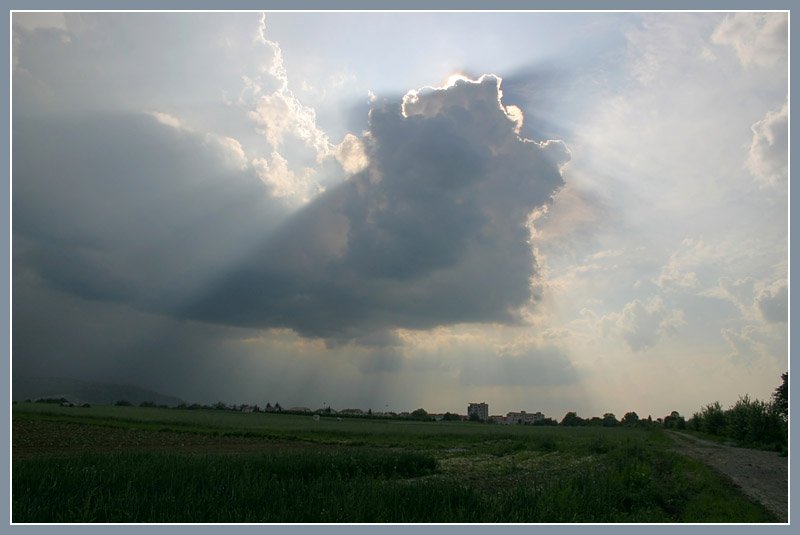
(31, 438)
(761, 475)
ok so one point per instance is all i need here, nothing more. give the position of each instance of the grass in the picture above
(358, 471)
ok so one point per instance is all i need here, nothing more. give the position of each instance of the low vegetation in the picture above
(291, 468)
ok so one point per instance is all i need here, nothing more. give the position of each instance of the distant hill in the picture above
(79, 391)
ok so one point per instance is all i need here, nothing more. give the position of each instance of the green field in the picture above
(128, 464)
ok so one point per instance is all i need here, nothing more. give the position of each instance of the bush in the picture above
(754, 422)
(52, 400)
(749, 422)
(713, 420)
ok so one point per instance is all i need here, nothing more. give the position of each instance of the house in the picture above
(523, 417)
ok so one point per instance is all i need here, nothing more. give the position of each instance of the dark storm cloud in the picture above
(124, 208)
(431, 233)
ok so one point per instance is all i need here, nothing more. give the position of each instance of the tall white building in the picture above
(481, 409)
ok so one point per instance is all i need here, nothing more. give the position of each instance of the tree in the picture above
(420, 413)
(780, 398)
(630, 418)
(545, 421)
(713, 419)
(609, 420)
(674, 420)
(572, 419)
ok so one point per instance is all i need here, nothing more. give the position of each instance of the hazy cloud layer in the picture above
(533, 366)
(431, 232)
(641, 325)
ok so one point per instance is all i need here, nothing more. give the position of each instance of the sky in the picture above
(541, 211)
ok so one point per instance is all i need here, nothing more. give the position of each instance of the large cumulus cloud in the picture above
(431, 232)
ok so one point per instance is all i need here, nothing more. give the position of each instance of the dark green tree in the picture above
(609, 420)
(674, 420)
(572, 419)
(421, 414)
(713, 419)
(780, 398)
(630, 419)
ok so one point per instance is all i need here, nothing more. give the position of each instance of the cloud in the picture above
(33, 21)
(283, 182)
(765, 301)
(432, 232)
(125, 208)
(678, 272)
(167, 119)
(755, 342)
(286, 123)
(767, 159)
(773, 302)
(737, 291)
(351, 155)
(385, 360)
(532, 366)
(641, 325)
(760, 39)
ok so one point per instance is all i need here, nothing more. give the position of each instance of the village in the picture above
(476, 412)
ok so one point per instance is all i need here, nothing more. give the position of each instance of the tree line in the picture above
(749, 422)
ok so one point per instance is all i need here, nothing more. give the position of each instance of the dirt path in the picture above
(762, 475)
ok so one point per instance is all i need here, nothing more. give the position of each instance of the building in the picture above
(523, 417)
(480, 409)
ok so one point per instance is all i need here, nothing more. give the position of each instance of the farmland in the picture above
(132, 464)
